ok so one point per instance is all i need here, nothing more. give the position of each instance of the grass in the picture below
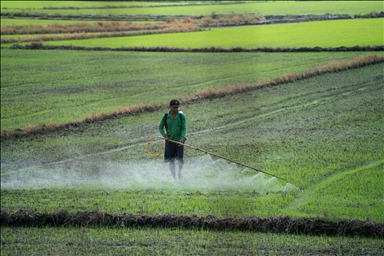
(65, 93)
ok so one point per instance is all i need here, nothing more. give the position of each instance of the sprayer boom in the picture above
(213, 154)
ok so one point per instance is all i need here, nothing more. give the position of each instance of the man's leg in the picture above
(172, 168)
(181, 164)
(169, 156)
(180, 159)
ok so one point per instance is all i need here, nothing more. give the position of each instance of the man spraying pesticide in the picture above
(173, 127)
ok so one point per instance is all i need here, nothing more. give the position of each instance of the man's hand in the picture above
(183, 140)
(166, 138)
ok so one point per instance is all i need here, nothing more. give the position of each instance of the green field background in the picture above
(317, 142)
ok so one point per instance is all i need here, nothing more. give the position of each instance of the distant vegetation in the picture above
(335, 33)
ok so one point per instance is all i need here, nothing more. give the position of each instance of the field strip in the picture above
(343, 34)
(144, 140)
(306, 195)
(331, 67)
(191, 9)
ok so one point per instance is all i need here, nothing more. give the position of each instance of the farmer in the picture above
(175, 124)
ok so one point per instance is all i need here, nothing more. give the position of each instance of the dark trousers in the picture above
(172, 151)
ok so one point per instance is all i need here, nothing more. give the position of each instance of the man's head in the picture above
(174, 104)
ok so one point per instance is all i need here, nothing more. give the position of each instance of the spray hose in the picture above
(210, 153)
(147, 147)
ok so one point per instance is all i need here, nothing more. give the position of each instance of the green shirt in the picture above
(177, 127)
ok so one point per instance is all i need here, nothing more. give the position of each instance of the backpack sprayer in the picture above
(210, 153)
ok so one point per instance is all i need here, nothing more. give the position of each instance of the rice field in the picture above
(309, 125)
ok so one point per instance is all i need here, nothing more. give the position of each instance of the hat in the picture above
(174, 103)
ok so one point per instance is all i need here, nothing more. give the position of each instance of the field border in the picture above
(41, 46)
(276, 224)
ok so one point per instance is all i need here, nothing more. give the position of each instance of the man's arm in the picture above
(183, 126)
(161, 127)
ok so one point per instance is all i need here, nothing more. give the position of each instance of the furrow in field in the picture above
(308, 104)
(307, 195)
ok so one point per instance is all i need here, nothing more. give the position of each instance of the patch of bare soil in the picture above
(279, 224)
